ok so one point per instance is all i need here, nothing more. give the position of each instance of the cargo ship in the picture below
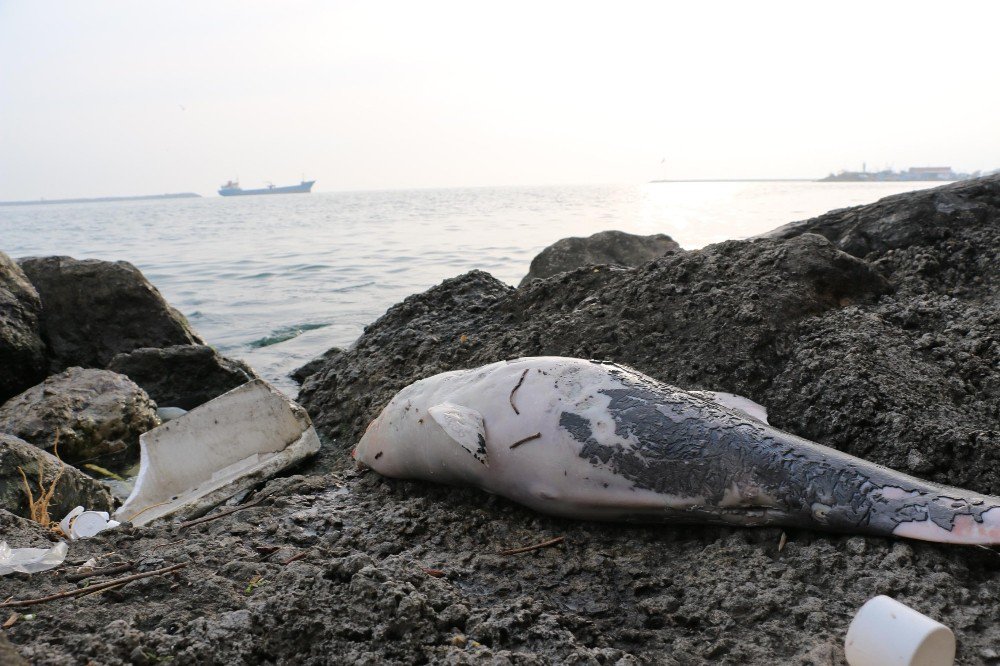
(233, 189)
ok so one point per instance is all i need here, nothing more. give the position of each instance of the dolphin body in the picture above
(599, 441)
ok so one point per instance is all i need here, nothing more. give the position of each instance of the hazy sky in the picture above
(102, 98)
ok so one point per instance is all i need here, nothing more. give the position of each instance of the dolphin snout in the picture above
(368, 440)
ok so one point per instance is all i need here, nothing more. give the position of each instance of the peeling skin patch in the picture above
(691, 447)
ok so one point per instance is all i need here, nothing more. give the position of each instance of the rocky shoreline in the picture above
(875, 330)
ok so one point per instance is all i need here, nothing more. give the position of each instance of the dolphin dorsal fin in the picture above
(736, 402)
(464, 425)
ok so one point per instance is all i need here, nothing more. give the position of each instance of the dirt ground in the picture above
(880, 336)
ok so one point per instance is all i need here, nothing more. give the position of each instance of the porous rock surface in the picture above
(182, 376)
(94, 415)
(42, 469)
(697, 318)
(604, 247)
(93, 310)
(892, 353)
(22, 352)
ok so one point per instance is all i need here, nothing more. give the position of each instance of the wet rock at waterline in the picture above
(299, 374)
(93, 310)
(22, 352)
(605, 247)
(97, 416)
(43, 473)
(182, 376)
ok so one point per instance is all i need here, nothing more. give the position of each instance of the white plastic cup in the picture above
(887, 633)
(89, 523)
(66, 522)
(80, 524)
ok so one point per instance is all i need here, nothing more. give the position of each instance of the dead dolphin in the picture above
(596, 440)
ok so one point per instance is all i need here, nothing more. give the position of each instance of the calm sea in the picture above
(278, 280)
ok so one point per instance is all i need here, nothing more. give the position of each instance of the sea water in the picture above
(277, 280)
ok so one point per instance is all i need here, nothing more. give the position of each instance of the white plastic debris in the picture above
(886, 632)
(82, 524)
(200, 459)
(30, 560)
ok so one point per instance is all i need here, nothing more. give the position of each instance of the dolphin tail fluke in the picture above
(966, 529)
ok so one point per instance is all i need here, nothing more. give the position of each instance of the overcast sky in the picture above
(105, 98)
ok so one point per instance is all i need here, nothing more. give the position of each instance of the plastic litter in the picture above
(30, 560)
(82, 524)
(886, 632)
(200, 459)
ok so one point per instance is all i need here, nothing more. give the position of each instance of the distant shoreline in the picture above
(734, 180)
(147, 197)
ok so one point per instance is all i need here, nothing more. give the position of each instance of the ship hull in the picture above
(303, 188)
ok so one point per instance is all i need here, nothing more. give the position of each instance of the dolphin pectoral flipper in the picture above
(464, 425)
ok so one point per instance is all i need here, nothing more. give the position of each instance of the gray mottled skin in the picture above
(692, 447)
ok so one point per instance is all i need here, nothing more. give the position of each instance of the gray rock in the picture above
(22, 352)
(72, 487)
(605, 247)
(97, 416)
(945, 239)
(182, 376)
(92, 310)
(9, 655)
(715, 319)
(303, 371)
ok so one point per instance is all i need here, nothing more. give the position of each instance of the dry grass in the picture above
(39, 508)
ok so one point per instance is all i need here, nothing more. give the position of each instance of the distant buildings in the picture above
(887, 175)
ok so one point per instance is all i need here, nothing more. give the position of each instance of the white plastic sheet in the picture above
(30, 560)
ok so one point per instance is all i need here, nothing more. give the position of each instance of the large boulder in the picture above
(605, 247)
(93, 310)
(945, 239)
(182, 376)
(717, 318)
(71, 486)
(22, 352)
(94, 415)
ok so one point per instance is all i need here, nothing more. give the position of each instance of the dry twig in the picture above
(519, 382)
(205, 519)
(107, 571)
(38, 509)
(92, 588)
(526, 439)
(527, 549)
(295, 558)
